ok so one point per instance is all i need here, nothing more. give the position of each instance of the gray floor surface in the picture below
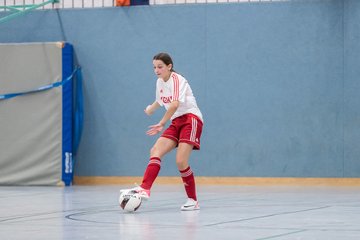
(227, 212)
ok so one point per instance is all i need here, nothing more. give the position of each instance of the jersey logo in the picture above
(161, 91)
(166, 99)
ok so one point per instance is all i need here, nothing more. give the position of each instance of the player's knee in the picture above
(153, 151)
(181, 164)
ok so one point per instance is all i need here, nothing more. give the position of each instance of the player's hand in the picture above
(155, 129)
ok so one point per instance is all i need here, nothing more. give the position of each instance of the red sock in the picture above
(151, 172)
(189, 182)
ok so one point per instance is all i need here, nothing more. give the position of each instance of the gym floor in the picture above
(227, 212)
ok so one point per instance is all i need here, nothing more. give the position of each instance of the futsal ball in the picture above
(130, 201)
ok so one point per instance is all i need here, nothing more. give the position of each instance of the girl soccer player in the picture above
(174, 93)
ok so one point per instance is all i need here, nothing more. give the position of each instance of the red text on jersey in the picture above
(166, 99)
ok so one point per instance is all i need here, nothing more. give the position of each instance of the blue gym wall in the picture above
(277, 83)
(352, 88)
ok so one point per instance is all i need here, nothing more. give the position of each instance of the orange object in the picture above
(121, 3)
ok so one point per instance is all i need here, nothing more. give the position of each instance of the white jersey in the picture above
(177, 88)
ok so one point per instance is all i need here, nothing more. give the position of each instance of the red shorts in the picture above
(186, 128)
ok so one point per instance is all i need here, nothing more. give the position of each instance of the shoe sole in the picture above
(189, 209)
(145, 198)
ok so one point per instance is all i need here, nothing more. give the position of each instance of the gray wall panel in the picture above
(31, 125)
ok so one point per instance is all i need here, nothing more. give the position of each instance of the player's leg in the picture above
(189, 139)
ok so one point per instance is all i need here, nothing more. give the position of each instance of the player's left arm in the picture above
(171, 110)
(155, 129)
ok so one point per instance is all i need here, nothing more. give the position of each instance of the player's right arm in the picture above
(150, 109)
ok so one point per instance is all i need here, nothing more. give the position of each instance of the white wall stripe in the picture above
(111, 3)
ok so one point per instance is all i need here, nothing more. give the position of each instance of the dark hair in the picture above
(165, 58)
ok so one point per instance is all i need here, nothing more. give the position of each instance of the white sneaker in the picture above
(144, 193)
(190, 205)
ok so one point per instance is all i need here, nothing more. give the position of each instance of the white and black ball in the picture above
(130, 201)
